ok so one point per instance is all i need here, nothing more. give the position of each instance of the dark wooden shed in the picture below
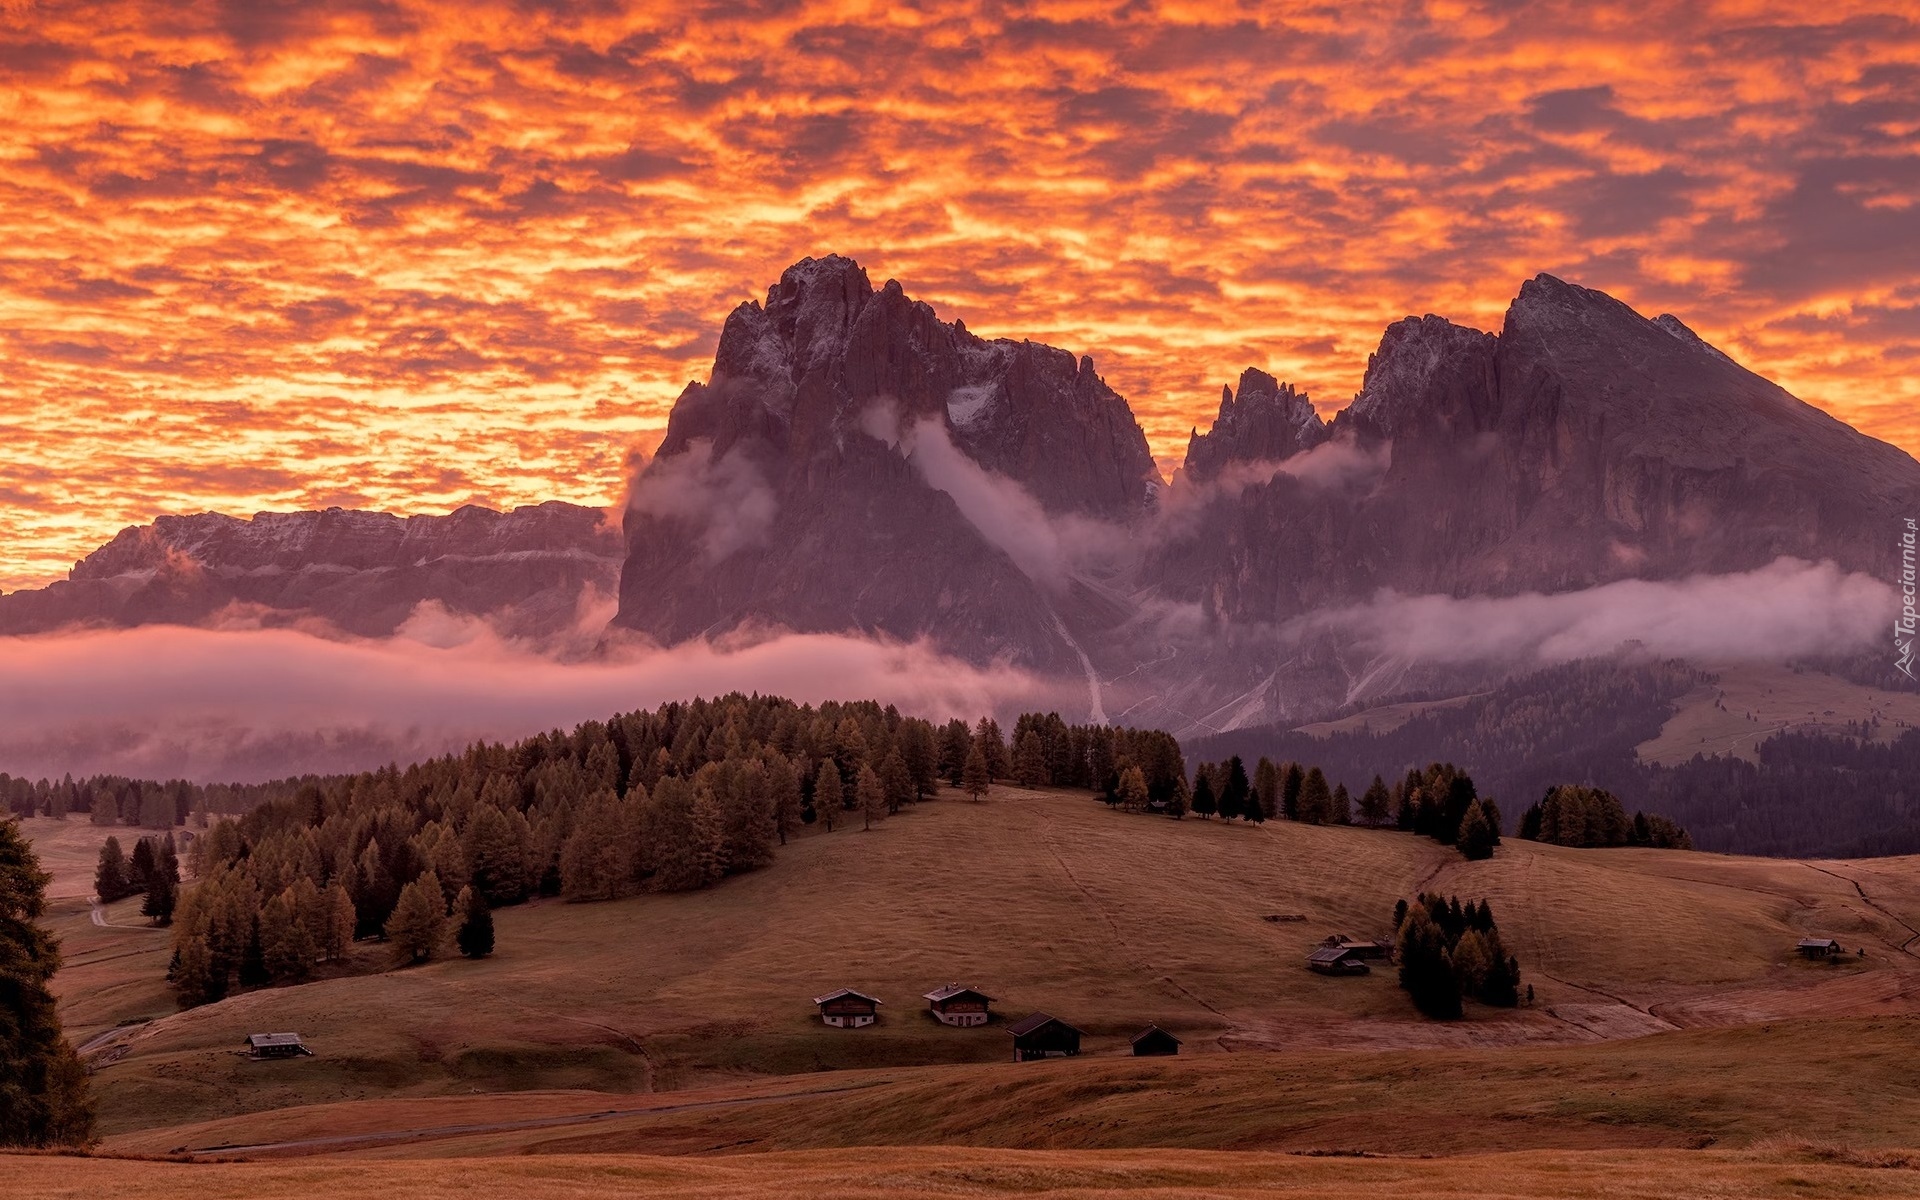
(1360, 949)
(1819, 948)
(276, 1045)
(1153, 1042)
(1043, 1036)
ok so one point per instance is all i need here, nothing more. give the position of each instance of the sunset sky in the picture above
(410, 255)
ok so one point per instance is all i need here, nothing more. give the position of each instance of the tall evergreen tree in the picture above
(110, 876)
(1030, 761)
(1314, 804)
(475, 936)
(1477, 836)
(141, 865)
(1203, 803)
(783, 785)
(340, 922)
(1133, 789)
(827, 794)
(977, 776)
(419, 921)
(1266, 788)
(1426, 969)
(43, 1087)
(1375, 804)
(896, 780)
(871, 795)
(162, 895)
(1236, 792)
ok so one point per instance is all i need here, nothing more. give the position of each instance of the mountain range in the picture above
(854, 463)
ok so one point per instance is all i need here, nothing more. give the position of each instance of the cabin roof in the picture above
(274, 1039)
(1330, 954)
(1036, 1022)
(954, 989)
(1151, 1030)
(1812, 942)
(845, 992)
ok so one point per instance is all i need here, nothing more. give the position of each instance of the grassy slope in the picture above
(1751, 703)
(1045, 900)
(1783, 1171)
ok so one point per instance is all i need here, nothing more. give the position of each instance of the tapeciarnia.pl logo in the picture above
(1903, 626)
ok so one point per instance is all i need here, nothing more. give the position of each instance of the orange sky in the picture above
(266, 254)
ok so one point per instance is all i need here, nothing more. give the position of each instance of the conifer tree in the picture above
(993, 747)
(977, 776)
(921, 757)
(896, 780)
(419, 921)
(827, 794)
(253, 958)
(956, 741)
(783, 784)
(1426, 969)
(1375, 804)
(340, 920)
(1340, 812)
(594, 862)
(1314, 804)
(162, 896)
(1204, 804)
(1133, 789)
(1030, 761)
(871, 795)
(1477, 837)
(1292, 780)
(1471, 962)
(475, 936)
(110, 876)
(43, 1087)
(1266, 788)
(285, 945)
(141, 865)
(193, 978)
(1236, 792)
(496, 846)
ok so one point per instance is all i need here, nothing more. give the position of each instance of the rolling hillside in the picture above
(1047, 900)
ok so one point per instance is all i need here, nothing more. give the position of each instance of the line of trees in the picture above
(43, 1086)
(144, 803)
(669, 800)
(153, 869)
(1448, 954)
(1572, 815)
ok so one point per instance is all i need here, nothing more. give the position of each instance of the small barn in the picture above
(1369, 951)
(276, 1045)
(848, 1009)
(957, 1004)
(1819, 948)
(1154, 1042)
(1043, 1036)
(1337, 960)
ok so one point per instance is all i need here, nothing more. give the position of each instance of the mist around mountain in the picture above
(865, 498)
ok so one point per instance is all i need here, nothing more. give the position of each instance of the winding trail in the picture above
(1906, 947)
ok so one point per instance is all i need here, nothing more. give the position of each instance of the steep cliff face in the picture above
(364, 572)
(1583, 444)
(847, 534)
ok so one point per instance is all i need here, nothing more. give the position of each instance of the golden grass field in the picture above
(1670, 1014)
(1786, 1169)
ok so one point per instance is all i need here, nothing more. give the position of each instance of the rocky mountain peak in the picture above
(1420, 362)
(1263, 421)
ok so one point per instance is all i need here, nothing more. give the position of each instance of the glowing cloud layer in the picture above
(406, 254)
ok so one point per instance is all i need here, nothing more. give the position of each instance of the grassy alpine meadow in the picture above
(1044, 899)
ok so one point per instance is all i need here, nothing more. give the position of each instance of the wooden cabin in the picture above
(1361, 950)
(1043, 1036)
(1154, 1042)
(956, 1004)
(1337, 960)
(1819, 948)
(848, 1009)
(276, 1045)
